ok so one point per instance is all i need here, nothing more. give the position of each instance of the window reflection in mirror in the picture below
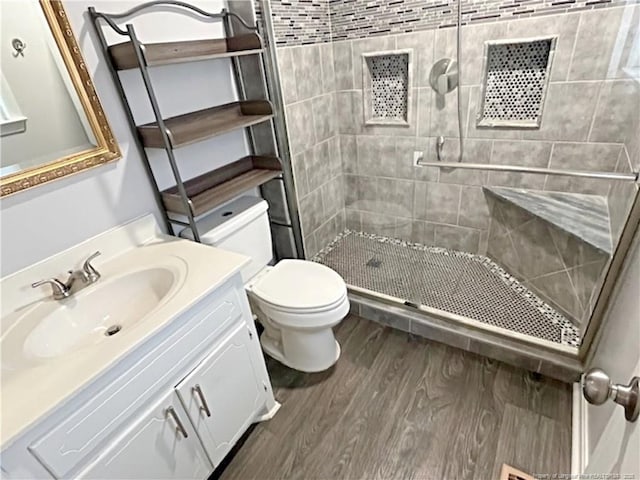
(41, 116)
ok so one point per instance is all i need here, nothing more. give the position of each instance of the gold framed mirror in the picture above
(51, 122)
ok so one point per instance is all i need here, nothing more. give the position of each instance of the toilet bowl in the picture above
(296, 301)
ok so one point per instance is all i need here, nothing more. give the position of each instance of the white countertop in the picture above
(32, 389)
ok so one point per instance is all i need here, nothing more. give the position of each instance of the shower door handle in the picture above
(597, 388)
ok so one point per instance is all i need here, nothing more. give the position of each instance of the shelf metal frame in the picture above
(129, 31)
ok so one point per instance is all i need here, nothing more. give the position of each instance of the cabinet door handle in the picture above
(198, 391)
(170, 412)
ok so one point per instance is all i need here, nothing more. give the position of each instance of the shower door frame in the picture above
(597, 321)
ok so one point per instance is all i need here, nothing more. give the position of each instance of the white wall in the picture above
(53, 124)
(613, 443)
(47, 219)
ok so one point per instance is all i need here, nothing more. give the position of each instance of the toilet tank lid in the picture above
(228, 219)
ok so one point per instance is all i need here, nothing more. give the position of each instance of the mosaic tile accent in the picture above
(389, 87)
(461, 283)
(366, 18)
(515, 83)
(302, 22)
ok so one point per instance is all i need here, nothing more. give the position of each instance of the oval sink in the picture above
(97, 313)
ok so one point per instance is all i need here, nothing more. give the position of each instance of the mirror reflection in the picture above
(41, 117)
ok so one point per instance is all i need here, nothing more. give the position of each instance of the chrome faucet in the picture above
(77, 280)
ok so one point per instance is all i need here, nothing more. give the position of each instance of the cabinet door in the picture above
(160, 445)
(223, 394)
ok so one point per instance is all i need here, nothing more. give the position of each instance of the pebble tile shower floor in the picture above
(465, 284)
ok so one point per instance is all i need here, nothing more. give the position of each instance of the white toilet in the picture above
(297, 301)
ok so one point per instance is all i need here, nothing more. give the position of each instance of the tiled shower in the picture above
(353, 174)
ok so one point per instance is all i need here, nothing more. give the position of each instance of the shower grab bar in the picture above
(628, 177)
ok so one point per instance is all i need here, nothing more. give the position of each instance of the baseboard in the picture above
(579, 432)
(270, 414)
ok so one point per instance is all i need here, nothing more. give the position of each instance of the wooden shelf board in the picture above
(210, 122)
(167, 53)
(212, 189)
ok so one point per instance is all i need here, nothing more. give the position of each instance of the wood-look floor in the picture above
(397, 407)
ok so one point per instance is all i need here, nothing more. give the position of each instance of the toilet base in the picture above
(273, 349)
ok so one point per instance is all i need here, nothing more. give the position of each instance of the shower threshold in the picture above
(459, 285)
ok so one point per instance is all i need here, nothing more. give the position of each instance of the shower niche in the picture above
(387, 80)
(516, 75)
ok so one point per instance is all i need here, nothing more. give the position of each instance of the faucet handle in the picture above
(59, 289)
(91, 272)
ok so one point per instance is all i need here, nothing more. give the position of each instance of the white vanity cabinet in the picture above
(211, 407)
(155, 447)
(222, 395)
(171, 409)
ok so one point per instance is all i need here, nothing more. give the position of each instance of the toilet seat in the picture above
(300, 286)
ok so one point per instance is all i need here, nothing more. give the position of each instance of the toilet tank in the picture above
(240, 226)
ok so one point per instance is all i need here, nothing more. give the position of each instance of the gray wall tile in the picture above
(444, 113)
(442, 203)
(335, 156)
(592, 53)
(311, 212)
(299, 164)
(404, 229)
(405, 146)
(300, 126)
(318, 165)
(353, 220)
(328, 68)
(574, 252)
(332, 197)
(324, 117)
(620, 198)
(559, 292)
(349, 107)
(474, 208)
(568, 111)
(424, 111)
(310, 245)
(473, 39)
(423, 232)
(368, 45)
(420, 200)
(582, 156)
(457, 238)
(327, 232)
(530, 154)
(585, 279)
(537, 251)
(396, 197)
(376, 155)
(304, 57)
(500, 246)
(427, 146)
(342, 58)
(287, 75)
(617, 118)
(474, 151)
(349, 153)
(564, 26)
(378, 224)
(421, 43)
